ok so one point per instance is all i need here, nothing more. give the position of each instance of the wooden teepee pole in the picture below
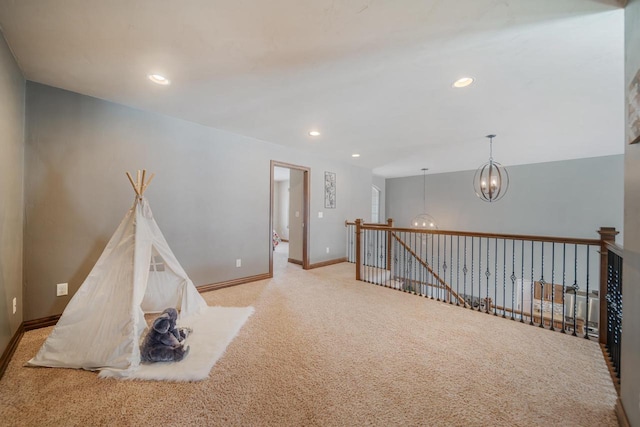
(139, 186)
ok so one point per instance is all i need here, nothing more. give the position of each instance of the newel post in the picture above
(358, 248)
(607, 235)
(390, 225)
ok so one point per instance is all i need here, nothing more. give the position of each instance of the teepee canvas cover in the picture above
(137, 273)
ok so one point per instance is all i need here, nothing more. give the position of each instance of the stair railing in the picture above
(550, 282)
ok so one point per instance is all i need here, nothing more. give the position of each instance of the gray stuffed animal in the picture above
(180, 333)
(161, 343)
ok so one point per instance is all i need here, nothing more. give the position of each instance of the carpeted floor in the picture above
(323, 350)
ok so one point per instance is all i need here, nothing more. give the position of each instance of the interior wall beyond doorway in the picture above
(281, 204)
(296, 215)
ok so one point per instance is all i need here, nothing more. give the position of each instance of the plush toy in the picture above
(162, 343)
(181, 334)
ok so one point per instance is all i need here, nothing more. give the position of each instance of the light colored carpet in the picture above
(213, 330)
(325, 350)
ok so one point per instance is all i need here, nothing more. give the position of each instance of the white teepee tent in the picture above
(137, 273)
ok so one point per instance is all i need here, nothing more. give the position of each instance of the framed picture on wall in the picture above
(329, 190)
(633, 107)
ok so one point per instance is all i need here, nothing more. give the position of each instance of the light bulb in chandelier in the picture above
(424, 221)
(491, 180)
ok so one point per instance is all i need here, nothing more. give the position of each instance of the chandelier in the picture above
(491, 180)
(424, 221)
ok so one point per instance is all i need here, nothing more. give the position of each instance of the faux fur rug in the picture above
(212, 332)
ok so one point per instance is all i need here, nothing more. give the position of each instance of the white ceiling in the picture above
(374, 76)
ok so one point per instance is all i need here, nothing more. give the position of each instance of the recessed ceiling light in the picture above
(157, 78)
(314, 133)
(463, 82)
(355, 155)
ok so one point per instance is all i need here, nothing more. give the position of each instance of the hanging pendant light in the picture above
(491, 181)
(424, 221)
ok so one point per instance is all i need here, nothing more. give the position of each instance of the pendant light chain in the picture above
(424, 220)
(424, 189)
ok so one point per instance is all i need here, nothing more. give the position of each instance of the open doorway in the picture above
(289, 216)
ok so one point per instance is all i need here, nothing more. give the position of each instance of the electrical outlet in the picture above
(327, 249)
(320, 214)
(62, 289)
(15, 305)
(238, 262)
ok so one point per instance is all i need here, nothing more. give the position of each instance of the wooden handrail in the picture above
(425, 265)
(372, 224)
(569, 240)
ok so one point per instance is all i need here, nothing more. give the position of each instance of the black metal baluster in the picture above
(504, 277)
(532, 284)
(429, 275)
(458, 270)
(480, 274)
(407, 262)
(367, 254)
(388, 247)
(473, 258)
(417, 248)
(377, 259)
(394, 266)
(438, 270)
(522, 284)
(465, 270)
(383, 264)
(374, 269)
(575, 290)
(451, 269)
(424, 279)
(416, 266)
(513, 279)
(399, 261)
(542, 283)
(411, 267)
(365, 251)
(495, 279)
(369, 248)
(488, 275)
(564, 287)
(553, 285)
(434, 288)
(586, 320)
(444, 268)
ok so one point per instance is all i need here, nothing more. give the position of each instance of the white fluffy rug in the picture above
(213, 331)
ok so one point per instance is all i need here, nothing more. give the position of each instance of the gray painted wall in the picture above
(630, 363)
(210, 195)
(571, 198)
(12, 87)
